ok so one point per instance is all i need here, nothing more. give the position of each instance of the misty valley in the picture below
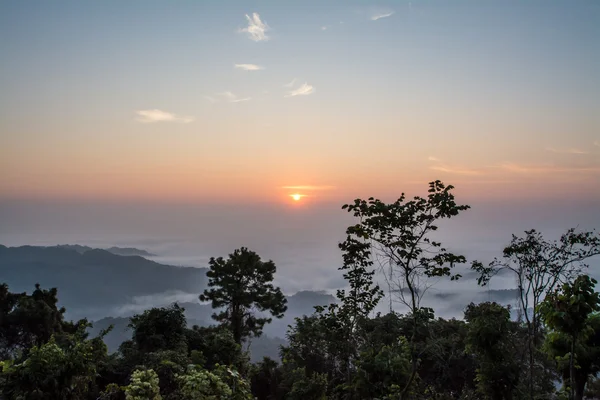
(109, 298)
(111, 323)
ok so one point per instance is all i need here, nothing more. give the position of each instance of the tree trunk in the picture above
(580, 385)
(572, 370)
(236, 325)
(413, 353)
(404, 393)
(531, 367)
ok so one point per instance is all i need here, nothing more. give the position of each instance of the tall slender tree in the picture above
(240, 286)
(398, 238)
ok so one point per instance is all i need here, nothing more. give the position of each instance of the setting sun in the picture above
(296, 196)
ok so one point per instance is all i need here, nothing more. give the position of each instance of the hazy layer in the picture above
(301, 241)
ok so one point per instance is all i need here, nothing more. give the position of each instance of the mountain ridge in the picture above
(119, 251)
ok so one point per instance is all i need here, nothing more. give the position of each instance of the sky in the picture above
(185, 127)
(237, 101)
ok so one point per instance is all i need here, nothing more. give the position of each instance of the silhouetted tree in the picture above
(397, 235)
(567, 310)
(539, 266)
(491, 339)
(160, 329)
(265, 379)
(587, 354)
(212, 345)
(241, 284)
(30, 320)
(445, 366)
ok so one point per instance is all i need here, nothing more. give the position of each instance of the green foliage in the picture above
(160, 329)
(241, 283)
(30, 320)
(200, 384)
(380, 368)
(159, 343)
(144, 386)
(310, 345)
(567, 311)
(209, 346)
(266, 379)
(111, 391)
(592, 389)
(222, 383)
(239, 386)
(587, 354)
(445, 367)
(63, 370)
(167, 365)
(306, 386)
(490, 340)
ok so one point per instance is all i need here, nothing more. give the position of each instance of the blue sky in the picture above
(476, 92)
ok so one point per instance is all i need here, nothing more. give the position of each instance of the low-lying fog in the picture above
(302, 242)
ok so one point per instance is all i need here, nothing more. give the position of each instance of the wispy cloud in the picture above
(308, 187)
(140, 303)
(513, 170)
(541, 169)
(440, 166)
(455, 170)
(256, 29)
(248, 67)
(304, 90)
(232, 98)
(382, 15)
(291, 84)
(566, 151)
(151, 116)
(211, 99)
(323, 28)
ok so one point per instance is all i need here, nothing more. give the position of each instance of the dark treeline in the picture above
(345, 350)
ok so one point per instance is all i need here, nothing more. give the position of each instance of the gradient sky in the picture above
(142, 100)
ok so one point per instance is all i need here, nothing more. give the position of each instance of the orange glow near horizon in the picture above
(297, 196)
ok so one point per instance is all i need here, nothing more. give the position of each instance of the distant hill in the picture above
(119, 251)
(93, 282)
(96, 283)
